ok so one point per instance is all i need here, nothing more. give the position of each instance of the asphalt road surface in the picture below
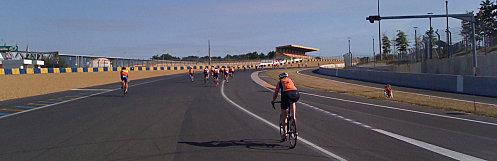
(171, 118)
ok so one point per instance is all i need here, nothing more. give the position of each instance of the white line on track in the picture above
(78, 98)
(88, 89)
(401, 109)
(421, 144)
(434, 148)
(320, 149)
(453, 99)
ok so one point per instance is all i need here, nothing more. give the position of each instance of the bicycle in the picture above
(291, 126)
(206, 79)
(191, 76)
(125, 92)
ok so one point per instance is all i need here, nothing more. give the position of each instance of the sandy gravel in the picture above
(20, 86)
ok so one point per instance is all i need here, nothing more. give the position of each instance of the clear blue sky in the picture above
(139, 29)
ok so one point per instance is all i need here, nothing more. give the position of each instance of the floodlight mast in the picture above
(465, 17)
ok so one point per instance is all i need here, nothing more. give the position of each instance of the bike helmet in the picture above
(283, 75)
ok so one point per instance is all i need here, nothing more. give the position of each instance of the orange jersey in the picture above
(124, 73)
(286, 84)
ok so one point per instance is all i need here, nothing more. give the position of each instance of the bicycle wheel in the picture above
(292, 132)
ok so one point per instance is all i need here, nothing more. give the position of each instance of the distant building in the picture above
(293, 52)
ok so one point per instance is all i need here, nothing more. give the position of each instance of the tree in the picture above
(487, 20)
(385, 41)
(401, 43)
(466, 31)
(271, 54)
(434, 40)
(190, 58)
(166, 56)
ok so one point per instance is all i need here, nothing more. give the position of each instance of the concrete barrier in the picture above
(482, 86)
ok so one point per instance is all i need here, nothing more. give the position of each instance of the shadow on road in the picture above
(110, 95)
(260, 144)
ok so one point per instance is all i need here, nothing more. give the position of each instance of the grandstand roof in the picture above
(298, 47)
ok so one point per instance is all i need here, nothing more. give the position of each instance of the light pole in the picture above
(379, 31)
(430, 34)
(374, 54)
(447, 45)
(416, 42)
(351, 57)
(349, 44)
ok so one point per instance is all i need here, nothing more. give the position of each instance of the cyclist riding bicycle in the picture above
(212, 70)
(124, 79)
(232, 71)
(215, 76)
(226, 74)
(289, 96)
(191, 73)
(206, 73)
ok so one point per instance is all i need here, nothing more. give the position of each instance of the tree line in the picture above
(486, 33)
(247, 56)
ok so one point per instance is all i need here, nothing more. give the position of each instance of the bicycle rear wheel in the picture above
(292, 132)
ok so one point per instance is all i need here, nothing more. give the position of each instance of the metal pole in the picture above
(379, 32)
(349, 44)
(431, 39)
(209, 42)
(374, 55)
(351, 57)
(475, 61)
(447, 28)
(416, 43)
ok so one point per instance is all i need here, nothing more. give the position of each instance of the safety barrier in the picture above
(17, 71)
(482, 86)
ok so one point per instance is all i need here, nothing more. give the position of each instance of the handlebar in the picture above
(272, 103)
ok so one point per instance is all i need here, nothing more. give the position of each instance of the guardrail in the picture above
(482, 86)
(17, 71)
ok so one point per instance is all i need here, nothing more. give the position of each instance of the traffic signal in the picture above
(371, 19)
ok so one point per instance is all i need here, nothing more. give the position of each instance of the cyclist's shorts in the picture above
(206, 74)
(191, 74)
(124, 79)
(289, 97)
(215, 76)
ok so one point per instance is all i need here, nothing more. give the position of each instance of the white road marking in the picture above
(261, 82)
(328, 153)
(78, 98)
(87, 89)
(430, 147)
(421, 144)
(453, 99)
(434, 148)
(400, 109)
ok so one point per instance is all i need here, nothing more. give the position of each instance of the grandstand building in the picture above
(293, 52)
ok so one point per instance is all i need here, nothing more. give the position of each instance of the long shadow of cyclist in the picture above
(260, 144)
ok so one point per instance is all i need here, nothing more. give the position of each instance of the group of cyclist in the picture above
(285, 87)
(216, 72)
